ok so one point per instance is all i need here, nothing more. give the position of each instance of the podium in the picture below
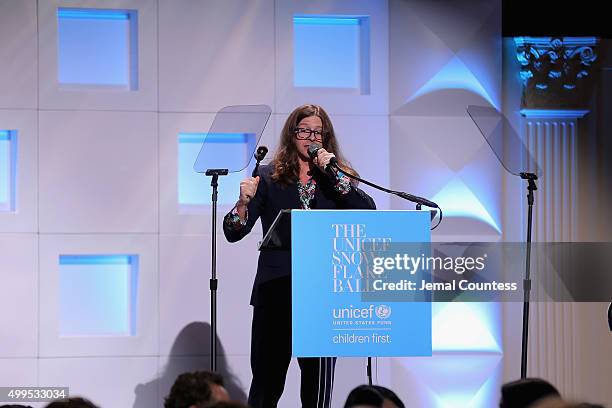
(335, 310)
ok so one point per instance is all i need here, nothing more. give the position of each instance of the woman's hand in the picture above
(323, 158)
(248, 188)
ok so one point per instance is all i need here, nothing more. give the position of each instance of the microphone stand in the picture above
(215, 173)
(214, 283)
(531, 187)
(420, 201)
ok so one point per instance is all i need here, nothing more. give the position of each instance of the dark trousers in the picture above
(270, 358)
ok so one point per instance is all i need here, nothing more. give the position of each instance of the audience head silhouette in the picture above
(75, 402)
(372, 396)
(196, 390)
(524, 392)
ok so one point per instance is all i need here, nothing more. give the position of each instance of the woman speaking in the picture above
(291, 181)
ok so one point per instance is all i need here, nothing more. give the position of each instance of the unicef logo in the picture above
(383, 311)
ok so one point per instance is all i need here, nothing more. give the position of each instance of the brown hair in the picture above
(286, 166)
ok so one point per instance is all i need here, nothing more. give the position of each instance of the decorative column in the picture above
(555, 71)
(556, 76)
(551, 137)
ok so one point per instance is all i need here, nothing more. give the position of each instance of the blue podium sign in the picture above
(330, 274)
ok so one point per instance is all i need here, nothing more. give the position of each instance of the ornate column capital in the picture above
(555, 69)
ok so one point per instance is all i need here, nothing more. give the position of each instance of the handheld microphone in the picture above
(259, 155)
(312, 153)
(314, 148)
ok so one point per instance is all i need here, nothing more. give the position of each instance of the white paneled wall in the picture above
(54, 96)
(110, 382)
(172, 219)
(184, 270)
(442, 59)
(98, 172)
(18, 71)
(438, 151)
(145, 342)
(23, 371)
(334, 100)
(97, 175)
(215, 53)
(19, 295)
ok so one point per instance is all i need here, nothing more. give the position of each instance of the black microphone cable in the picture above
(312, 152)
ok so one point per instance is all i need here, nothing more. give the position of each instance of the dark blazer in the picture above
(273, 280)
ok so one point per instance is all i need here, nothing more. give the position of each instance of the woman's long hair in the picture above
(286, 163)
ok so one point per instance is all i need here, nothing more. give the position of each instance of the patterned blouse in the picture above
(306, 192)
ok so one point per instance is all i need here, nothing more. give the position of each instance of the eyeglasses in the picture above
(306, 134)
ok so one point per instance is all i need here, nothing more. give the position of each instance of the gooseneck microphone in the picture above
(333, 163)
(416, 199)
(259, 156)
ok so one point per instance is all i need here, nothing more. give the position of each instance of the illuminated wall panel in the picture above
(321, 42)
(8, 169)
(232, 151)
(97, 47)
(97, 295)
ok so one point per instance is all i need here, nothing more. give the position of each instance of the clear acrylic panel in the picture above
(232, 138)
(503, 140)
